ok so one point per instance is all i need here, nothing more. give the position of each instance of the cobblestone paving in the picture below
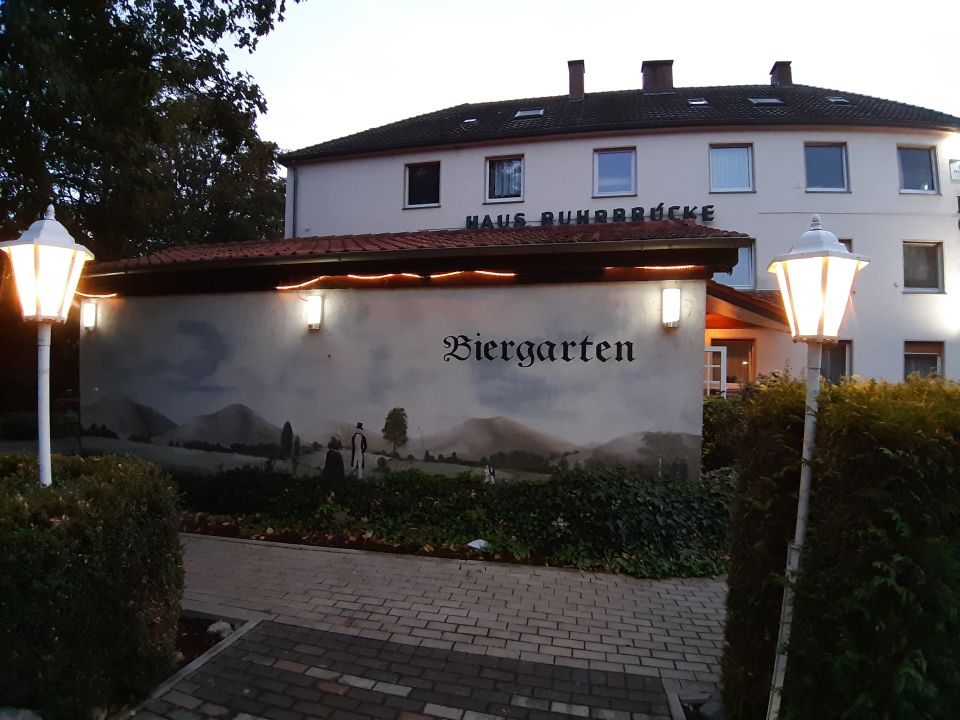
(354, 634)
(280, 672)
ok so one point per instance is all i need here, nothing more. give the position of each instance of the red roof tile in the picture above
(265, 251)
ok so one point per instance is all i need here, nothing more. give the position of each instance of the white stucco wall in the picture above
(366, 195)
(186, 356)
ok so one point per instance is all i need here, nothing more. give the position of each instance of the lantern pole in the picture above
(815, 278)
(814, 358)
(43, 402)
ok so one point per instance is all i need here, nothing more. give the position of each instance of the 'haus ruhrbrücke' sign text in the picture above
(639, 213)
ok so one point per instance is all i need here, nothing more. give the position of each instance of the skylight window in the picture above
(466, 121)
(837, 100)
(532, 112)
(766, 101)
(697, 101)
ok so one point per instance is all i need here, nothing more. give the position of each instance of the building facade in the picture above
(884, 176)
(501, 276)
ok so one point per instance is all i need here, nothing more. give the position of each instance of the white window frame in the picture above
(486, 178)
(919, 351)
(406, 185)
(633, 172)
(750, 167)
(843, 162)
(733, 386)
(750, 253)
(932, 150)
(939, 289)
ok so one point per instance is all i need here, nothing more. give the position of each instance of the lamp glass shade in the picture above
(671, 307)
(47, 265)
(815, 279)
(46, 277)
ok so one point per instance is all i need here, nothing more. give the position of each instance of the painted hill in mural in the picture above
(233, 425)
(125, 417)
(645, 449)
(483, 437)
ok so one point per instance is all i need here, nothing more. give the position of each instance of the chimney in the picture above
(780, 75)
(657, 76)
(576, 79)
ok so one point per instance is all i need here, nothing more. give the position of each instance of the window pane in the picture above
(825, 170)
(730, 169)
(615, 172)
(423, 184)
(834, 361)
(916, 169)
(738, 360)
(742, 275)
(921, 266)
(506, 178)
(923, 364)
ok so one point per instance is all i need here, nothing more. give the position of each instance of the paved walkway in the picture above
(345, 633)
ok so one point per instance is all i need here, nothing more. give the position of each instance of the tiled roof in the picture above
(630, 110)
(266, 252)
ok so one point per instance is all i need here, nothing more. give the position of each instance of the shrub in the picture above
(722, 424)
(764, 514)
(878, 602)
(611, 519)
(90, 583)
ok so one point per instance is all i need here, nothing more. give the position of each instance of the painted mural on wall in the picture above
(520, 380)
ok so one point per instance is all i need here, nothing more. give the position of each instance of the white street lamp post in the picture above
(815, 279)
(46, 268)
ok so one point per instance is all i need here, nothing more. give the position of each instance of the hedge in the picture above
(611, 520)
(877, 617)
(90, 582)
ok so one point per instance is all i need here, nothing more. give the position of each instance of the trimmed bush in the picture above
(878, 603)
(722, 424)
(612, 519)
(90, 583)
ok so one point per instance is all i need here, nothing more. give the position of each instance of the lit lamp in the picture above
(46, 269)
(670, 307)
(314, 312)
(88, 314)
(815, 279)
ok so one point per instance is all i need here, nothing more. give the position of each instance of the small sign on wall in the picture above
(955, 170)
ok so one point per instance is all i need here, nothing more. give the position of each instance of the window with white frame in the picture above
(917, 169)
(742, 276)
(615, 172)
(826, 166)
(739, 362)
(836, 362)
(731, 168)
(923, 266)
(505, 179)
(422, 185)
(923, 357)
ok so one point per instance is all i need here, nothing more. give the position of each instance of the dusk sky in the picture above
(335, 68)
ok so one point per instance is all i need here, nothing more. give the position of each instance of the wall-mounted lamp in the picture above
(314, 312)
(88, 314)
(670, 301)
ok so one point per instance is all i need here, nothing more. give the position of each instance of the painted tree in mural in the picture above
(395, 428)
(124, 114)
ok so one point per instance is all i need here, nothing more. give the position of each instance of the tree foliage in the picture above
(124, 114)
(395, 428)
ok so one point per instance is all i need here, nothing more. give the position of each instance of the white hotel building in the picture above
(500, 271)
(884, 176)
